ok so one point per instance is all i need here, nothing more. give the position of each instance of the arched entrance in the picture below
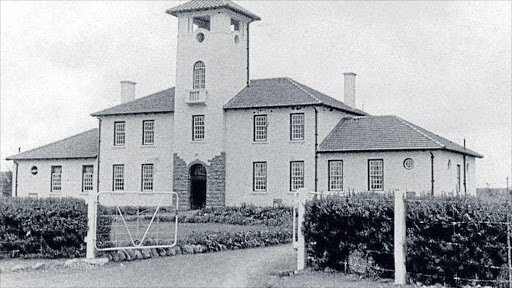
(197, 186)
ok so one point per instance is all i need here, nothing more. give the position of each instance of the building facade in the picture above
(220, 138)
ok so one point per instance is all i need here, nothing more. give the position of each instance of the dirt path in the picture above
(241, 268)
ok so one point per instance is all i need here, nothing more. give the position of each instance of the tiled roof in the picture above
(283, 92)
(198, 5)
(385, 133)
(160, 102)
(83, 145)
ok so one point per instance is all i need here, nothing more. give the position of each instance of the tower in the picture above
(212, 66)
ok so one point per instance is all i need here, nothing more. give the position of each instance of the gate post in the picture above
(92, 204)
(400, 238)
(301, 243)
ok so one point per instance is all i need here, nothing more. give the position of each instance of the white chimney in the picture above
(127, 91)
(350, 89)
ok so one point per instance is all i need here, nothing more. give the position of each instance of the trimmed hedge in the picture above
(447, 238)
(44, 228)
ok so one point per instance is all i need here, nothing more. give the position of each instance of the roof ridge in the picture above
(54, 142)
(412, 126)
(296, 84)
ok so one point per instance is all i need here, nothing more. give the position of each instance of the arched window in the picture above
(199, 75)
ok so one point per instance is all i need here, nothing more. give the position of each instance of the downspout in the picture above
(464, 169)
(432, 173)
(16, 180)
(248, 81)
(316, 149)
(98, 169)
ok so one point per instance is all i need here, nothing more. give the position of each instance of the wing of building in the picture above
(220, 138)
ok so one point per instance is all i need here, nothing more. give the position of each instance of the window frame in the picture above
(254, 139)
(83, 178)
(116, 133)
(52, 187)
(370, 176)
(199, 72)
(254, 177)
(292, 177)
(194, 139)
(292, 138)
(114, 177)
(142, 187)
(144, 143)
(329, 183)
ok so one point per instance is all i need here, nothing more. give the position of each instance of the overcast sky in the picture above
(445, 66)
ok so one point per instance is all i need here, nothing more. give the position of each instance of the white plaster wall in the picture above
(355, 171)
(41, 182)
(226, 75)
(134, 154)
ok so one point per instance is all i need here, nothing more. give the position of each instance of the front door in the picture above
(197, 187)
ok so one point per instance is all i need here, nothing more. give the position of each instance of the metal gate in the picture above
(123, 220)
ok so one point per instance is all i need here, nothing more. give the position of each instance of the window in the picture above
(119, 133)
(56, 179)
(87, 178)
(376, 174)
(260, 176)
(198, 128)
(202, 22)
(297, 126)
(199, 75)
(260, 128)
(336, 175)
(147, 177)
(296, 175)
(458, 179)
(118, 178)
(148, 132)
(235, 25)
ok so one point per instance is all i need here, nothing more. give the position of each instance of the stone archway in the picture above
(198, 183)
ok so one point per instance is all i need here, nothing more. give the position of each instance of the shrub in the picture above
(447, 238)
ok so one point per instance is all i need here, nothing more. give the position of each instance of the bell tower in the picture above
(212, 66)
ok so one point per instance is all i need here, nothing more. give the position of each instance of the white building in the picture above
(220, 138)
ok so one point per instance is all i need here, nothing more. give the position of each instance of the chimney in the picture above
(127, 91)
(350, 89)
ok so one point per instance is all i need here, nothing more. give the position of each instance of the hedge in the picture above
(447, 238)
(43, 228)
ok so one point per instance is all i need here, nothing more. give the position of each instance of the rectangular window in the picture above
(260, 176)
(118, 178)
(87, 178)
(235, 25)
(336, 175)
(458, 179)
(147, 177)
(376, 175)
(198, 128)
(119, 133)
(202, 22)
(297, 126)
(260, 128)
(56, 179)
(148, 132)
(296, 175)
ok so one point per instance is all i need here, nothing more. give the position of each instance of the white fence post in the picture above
(301, 243)
(400, 238)
(91, 222)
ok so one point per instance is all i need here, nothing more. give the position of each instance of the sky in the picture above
(445, 66)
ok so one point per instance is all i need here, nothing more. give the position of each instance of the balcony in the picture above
(197, 97)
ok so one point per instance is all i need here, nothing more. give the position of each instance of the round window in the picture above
(33, 170)
(408, 163)
(237, 39)
(200, 37)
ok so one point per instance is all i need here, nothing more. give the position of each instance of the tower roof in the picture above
(200, 5)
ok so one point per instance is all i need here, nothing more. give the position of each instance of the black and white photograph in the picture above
(236, 143)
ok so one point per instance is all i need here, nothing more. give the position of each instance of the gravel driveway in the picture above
(240, 268)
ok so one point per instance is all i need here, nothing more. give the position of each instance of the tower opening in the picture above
(197, 186)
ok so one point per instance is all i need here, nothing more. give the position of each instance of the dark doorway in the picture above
(197, 187)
